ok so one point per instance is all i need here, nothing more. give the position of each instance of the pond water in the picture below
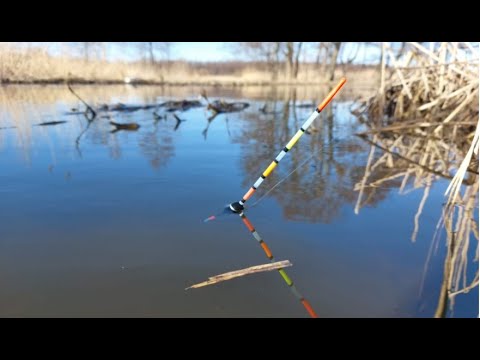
(110, 224)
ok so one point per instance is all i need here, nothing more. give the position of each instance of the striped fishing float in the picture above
(282, 272)
(238, 207)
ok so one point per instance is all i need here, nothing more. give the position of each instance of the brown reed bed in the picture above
(424, 120)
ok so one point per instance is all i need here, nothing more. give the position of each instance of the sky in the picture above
(197, 51)
(203, 51)
(215, 51)
(223, 51)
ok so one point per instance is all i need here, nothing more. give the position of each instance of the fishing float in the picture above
(238, 207)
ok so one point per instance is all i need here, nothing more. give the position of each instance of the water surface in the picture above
(95, 223)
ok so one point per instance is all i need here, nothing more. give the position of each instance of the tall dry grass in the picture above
(36, 65)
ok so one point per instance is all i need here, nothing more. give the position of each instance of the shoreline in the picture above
(162, 83)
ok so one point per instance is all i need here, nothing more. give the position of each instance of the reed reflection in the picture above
(411, 156)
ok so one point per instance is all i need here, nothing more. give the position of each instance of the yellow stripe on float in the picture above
(270, 169)
(294, 139)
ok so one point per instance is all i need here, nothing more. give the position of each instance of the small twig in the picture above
(89, 108)
(413, 126)
(447, 176)
(436, 58)
(465, 290)
(473, 62)
(237, 273)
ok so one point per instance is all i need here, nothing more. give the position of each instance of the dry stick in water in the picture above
(89, 108)
(447, 176)
(237, 273)
(394, 128)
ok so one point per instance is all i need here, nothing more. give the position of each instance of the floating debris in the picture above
(237, 273)
(119, 107)
(182, 105)
(129, 108)
(221, 106)
(50, 123)
(127, 126)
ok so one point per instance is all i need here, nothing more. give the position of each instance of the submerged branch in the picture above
(89, 108)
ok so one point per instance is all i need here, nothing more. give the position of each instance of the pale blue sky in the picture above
(220, 51)
(202, 51)
(199, 51)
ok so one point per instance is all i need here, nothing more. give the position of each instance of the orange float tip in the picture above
(332, 93)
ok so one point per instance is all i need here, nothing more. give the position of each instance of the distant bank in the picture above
(37, 67)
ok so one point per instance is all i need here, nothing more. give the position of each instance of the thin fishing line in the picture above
(285, 178)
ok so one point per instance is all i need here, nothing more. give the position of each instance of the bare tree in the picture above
(88, 48)
(292, 58)
(333, 60)
(165, 49)
(274, 54)
(267, 52)
(297, 60)
(151, 51)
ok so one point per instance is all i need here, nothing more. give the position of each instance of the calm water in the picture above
(95, 223)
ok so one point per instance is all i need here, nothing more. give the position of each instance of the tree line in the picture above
(277, 58)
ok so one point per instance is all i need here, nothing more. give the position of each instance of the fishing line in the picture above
(285, 178)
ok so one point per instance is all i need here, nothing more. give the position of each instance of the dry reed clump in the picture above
(434, 93)
(425, 121)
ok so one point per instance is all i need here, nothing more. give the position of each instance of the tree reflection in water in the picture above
(316, 191)
(157, 145)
